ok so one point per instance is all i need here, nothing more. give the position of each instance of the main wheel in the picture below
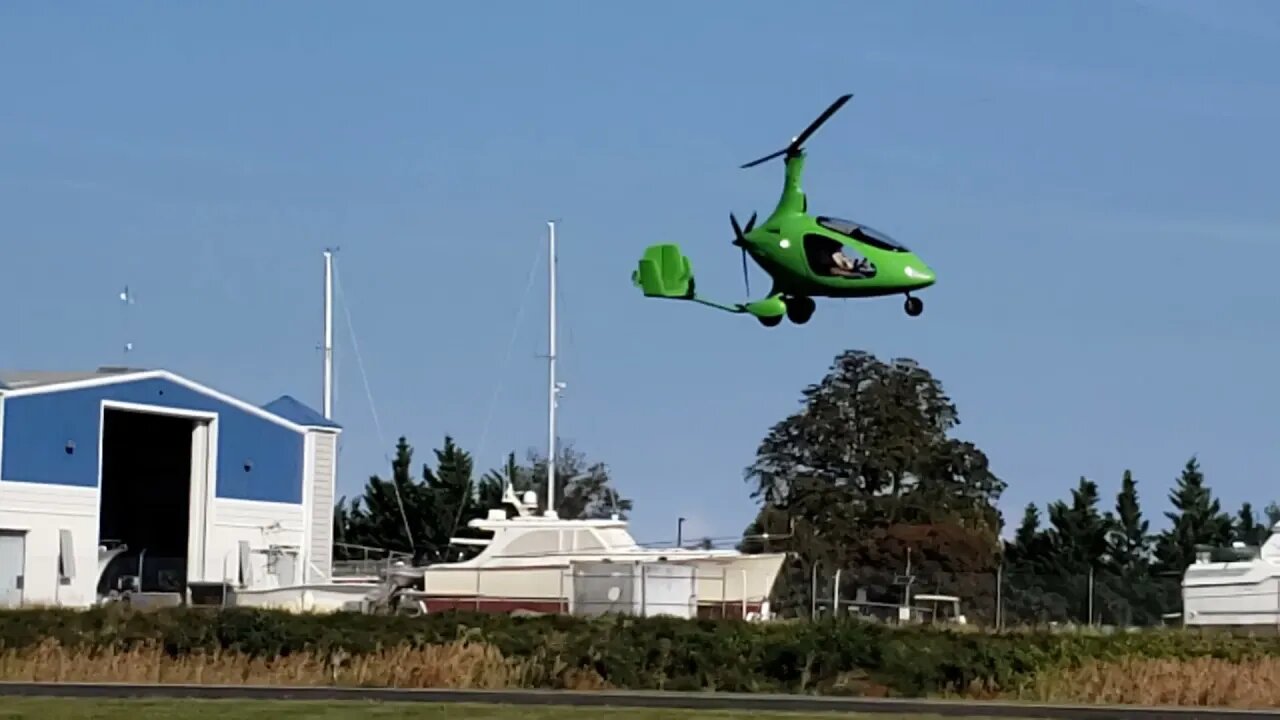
(914, 306)
(800, 309)
(769, 321)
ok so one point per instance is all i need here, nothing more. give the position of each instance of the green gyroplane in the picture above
(806, 256)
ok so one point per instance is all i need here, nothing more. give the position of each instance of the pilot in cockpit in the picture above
(847, 267)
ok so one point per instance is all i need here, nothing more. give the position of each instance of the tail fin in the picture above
(665, 272)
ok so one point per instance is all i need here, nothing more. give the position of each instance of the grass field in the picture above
(78, 709)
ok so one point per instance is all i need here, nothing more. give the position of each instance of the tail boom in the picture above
(664, 272)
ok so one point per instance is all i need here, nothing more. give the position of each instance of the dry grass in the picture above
(1199, 682)
(455, 665)
(77, 709)
(475, 665)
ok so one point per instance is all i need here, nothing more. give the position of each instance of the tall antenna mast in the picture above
(327, 403)
(553, 387)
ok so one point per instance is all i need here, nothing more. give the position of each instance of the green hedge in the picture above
(646, 653)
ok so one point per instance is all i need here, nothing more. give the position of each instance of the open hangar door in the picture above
(153, 490)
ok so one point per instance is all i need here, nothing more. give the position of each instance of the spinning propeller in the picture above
(798, 141)
(740, 240)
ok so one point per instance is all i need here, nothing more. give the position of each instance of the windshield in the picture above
(862, 233)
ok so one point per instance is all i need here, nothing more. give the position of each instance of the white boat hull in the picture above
(730, 586)
(317, 597)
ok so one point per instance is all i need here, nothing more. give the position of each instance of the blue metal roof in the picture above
(285, 407)
(21, 379)
(293, 410)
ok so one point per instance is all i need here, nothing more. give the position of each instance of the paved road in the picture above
(697, 701)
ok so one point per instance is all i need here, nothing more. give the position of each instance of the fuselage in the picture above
(799, 250)
(825, 256)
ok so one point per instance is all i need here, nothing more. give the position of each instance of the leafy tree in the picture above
(490, 487)
(772, 531)
(1197, 520)
(866, 460)
(583, 489)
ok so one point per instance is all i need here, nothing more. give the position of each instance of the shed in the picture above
(148, 472)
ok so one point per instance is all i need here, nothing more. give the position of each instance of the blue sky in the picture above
(1090, 180)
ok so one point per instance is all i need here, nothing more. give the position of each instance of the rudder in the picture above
(664, 272)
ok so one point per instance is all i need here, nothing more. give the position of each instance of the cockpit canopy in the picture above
(861, 233)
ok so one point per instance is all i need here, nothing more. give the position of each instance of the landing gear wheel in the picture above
(769, 321)
(914, 306)
(800, 309)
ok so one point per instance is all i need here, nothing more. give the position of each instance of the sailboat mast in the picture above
(327, 395)
(552, 386)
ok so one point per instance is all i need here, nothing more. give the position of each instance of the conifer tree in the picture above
(1128, 594)
(1197, 519)
(1026, 550)
(1130, 542)
(1247, 529)
(1273, 515)
(1079, 532)
(1032, 590)
(391, 514)
(452, 498)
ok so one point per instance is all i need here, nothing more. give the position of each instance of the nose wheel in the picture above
(800, 309)
(914, 306)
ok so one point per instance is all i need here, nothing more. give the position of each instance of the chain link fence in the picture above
(998, 599)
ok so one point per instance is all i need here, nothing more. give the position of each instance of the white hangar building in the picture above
(116, 473)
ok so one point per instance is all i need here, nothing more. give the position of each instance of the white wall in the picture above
(43, 511)
(321, 504)
(261, 524)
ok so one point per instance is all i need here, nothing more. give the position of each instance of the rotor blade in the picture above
(825, 116)
(750, 224)
(766, 158)
(746, 278)
(799, 139)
